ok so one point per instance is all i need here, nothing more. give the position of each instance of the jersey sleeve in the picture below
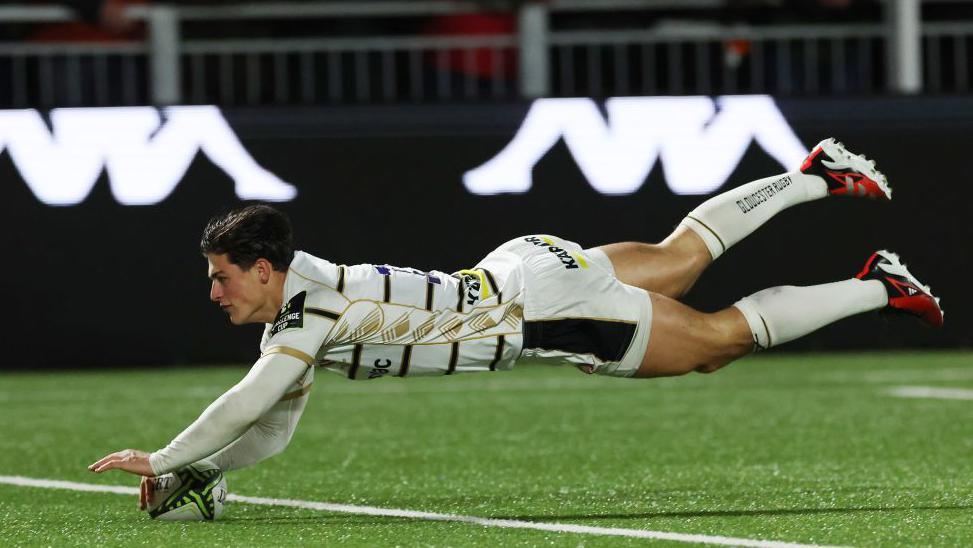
(272, 431)
(227, 418)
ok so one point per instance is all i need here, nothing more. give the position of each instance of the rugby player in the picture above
(611, 310)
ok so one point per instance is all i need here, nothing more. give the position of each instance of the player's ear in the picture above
(264, 269)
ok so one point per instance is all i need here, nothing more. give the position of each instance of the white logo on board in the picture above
(699, 141)
(144, 156)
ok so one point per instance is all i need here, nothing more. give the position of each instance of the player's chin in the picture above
(239, 317)
(233, 315)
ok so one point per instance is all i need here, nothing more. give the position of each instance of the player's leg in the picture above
(669, 268)
(683, 340)
(673, 266)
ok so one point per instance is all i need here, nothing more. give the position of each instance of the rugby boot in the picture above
(907, 295)
(846, 174)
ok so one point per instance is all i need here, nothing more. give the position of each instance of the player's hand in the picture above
(145, 492)
(129, 460)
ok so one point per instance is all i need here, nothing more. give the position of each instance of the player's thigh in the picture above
(670, 268)
(683, 339)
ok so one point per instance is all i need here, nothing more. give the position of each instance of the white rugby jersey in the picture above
(369, 321)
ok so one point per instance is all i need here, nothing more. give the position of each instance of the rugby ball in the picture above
(194, 493)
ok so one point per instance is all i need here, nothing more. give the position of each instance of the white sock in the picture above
(782, 314)
(727, 218)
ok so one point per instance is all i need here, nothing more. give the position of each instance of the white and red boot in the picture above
(845, 173)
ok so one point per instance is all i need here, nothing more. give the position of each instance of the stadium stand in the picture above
(318, 52)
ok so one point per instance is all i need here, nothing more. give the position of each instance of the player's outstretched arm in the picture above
(267, 437)
(222, 422)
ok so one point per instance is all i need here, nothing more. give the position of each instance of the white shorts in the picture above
(575, 309)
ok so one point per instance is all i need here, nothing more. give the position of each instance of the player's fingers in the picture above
(117, 455)
(106, 464)
(100, 461)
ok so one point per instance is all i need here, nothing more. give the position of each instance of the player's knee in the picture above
(712, 366)
(714, 359)
(686, 266)
(722, 346)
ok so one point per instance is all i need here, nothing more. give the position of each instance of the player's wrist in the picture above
(156, 464)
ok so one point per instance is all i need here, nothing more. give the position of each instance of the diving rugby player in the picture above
(611, 310)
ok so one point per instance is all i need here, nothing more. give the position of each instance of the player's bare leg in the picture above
(669, 268)
(683, 339)
(673, 266)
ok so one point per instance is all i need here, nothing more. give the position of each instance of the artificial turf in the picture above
(807, 448)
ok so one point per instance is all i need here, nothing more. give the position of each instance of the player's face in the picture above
(237, 291)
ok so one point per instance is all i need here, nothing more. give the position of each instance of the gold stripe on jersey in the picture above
(451, 328)
(396, 330)
(292, 352)
(382, 323)
(403, 305)
(406, 359)
(322, 312)
(387, 293)
(482, 322)
(512, 315)
(342, 331)
(341, 279)
(429, 294)
(355, 361)
(453, 358)
(498, 355)
(369, 325)
(297, 393)
(468, 339)
(424, 329)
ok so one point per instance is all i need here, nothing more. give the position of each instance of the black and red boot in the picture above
(906, 294)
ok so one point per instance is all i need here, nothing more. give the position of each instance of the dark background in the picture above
(104, 284)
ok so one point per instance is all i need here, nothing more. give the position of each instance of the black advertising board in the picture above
(103, 207)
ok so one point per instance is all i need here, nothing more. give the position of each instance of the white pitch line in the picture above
(355, 389)
(880, 376)
(431, 516)
(931, 392)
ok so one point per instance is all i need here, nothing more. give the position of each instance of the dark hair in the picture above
(250, 233)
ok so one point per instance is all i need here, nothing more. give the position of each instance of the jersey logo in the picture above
(472, 284)
(568, 259)
(381, 368)
(290, 315)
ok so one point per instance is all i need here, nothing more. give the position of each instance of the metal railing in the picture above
(898, 55)
(946, 48)
(782, 60)
(337, 70)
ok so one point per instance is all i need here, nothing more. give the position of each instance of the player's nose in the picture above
(215, 292)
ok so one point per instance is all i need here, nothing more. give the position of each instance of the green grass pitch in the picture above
(796, 448)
